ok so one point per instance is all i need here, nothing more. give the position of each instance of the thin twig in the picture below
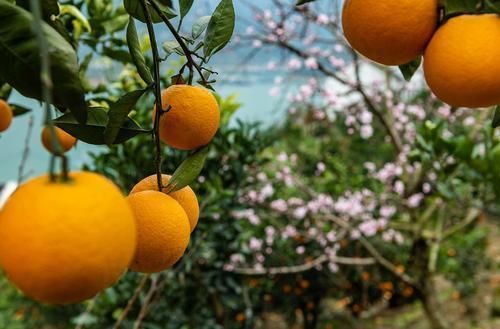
(131, 301)
(157, 85)
(146, 302)
(191, 63)
(305, 267)
(26, 150)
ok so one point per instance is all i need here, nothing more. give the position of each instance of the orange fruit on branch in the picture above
(162, 231)
(185, 196)
(63, 242)
(390, 32)
(462, 61)
(6, 115)
(191, 119)
(66, 141)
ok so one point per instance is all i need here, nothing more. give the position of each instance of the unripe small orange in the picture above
(66, 141)
(6, 115)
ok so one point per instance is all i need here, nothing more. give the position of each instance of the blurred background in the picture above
(335, 195)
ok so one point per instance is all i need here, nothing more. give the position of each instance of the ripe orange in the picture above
(462, 61)
(63, 242)
(186, 197)
(6, 116)
(390, 32)
(163, 231)
(193, 117)
(66, 141)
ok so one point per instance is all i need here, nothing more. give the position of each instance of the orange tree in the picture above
(42, 42)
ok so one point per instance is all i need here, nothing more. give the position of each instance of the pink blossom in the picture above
(399, 187)
(279, 205)
(300, 250)
(257, 43)
(387, 211)
(300, 212)
(366, 131)
(333, 267)
(275, 91)
(294, 64)
(320, 168)
(322, 19)
(289, 232)
(236, 258)
(415, 200)
(426, 188)
(331, 236)
(255, 244)
(311, 63)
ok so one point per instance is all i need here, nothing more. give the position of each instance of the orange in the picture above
(66, 141)
(462, 61)
(185, 196)
(390, 32)
(162, 231)
(6, 116)
(193, 117)
(63, 242)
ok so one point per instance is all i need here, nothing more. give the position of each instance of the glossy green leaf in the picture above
(458, 7)
(21, 67)
(19, 110)
(171, 47)
(409, 69)
(5, 90)
(134, 8)
(93, 131)
(188, 171)
(496, 118)
(220, 28)
(134, 47)
(118, 114)
(200, 26)
(185, 7)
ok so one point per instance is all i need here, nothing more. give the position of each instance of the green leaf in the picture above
(188, 171)
(119, 55)
(134, 47)
(200, 26)
(302, 2)
(134, 8)
(118, 114)
(171, 47)
(19, 110)
(220, 28)
(185, 7)
(492, 6)
(458, 7)
(93, 131)
(496, 118)
(5, 90)
(410, 68)
(49, 7)
(21, 67)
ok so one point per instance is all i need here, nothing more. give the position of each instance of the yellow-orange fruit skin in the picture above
(389, 32)
(66, 141)
(6, 116)
(185, 196)
(462, 61)
(163, 231)
(192, 119)
(63, 242)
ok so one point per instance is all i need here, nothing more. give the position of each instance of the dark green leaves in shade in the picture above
(185, 6)
(496, 118)
(409, 69)
(118, 114)
(19, 110)
(200, 26)
(134, 47)
(492, 6)
(49, 7)
(188, 171)
(21, 67)
(459, 7)
(220, 28)
(93, 131)
(134, 8)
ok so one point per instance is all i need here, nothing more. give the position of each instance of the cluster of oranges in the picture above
(461, 56)
(65, 240)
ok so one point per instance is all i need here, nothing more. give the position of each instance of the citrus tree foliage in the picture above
(77, 32)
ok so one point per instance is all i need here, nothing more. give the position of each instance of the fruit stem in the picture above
(157, 85)
(191, 64)
(46, 80)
